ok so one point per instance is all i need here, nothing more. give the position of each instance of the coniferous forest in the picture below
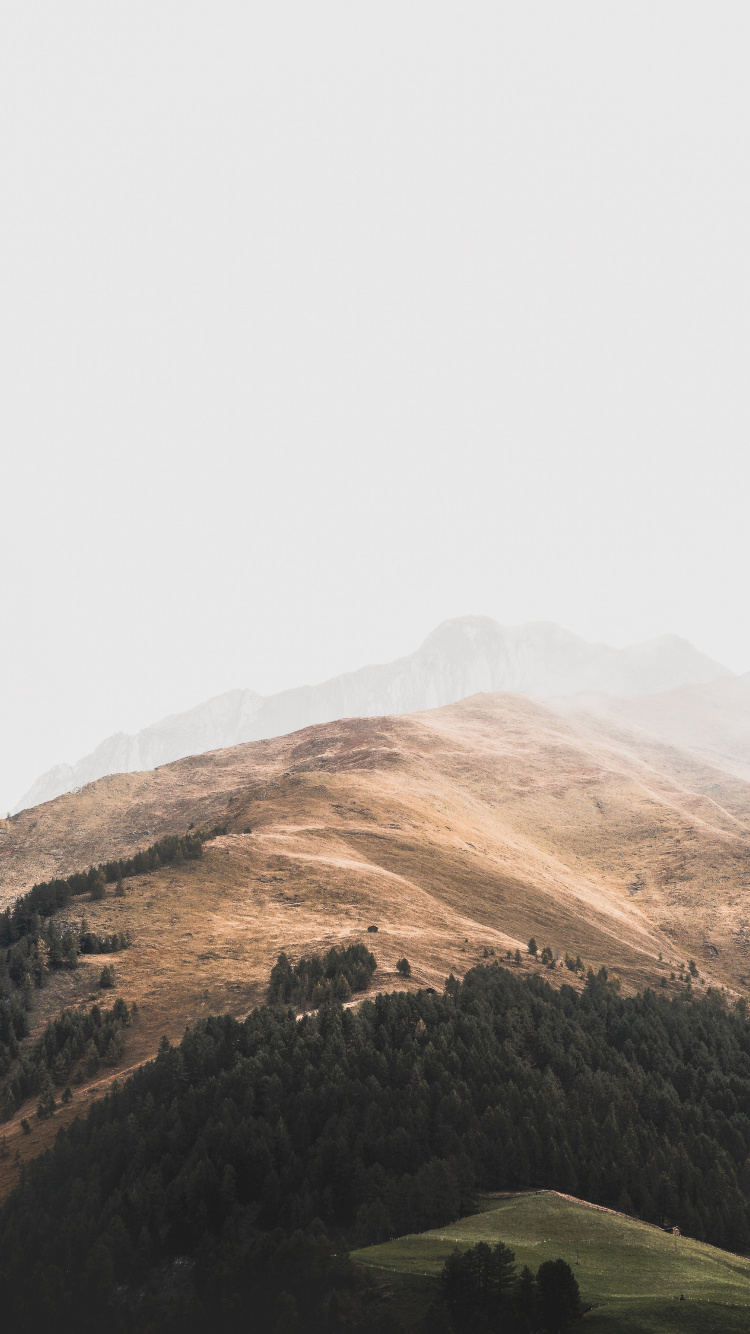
(317, 978)
(43, 900)
(74, 1042)
(483, 1293)
(31, 943)
(220, 1186)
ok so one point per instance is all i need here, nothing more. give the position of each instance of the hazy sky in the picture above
(322, 322)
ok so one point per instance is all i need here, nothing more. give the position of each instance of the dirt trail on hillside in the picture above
(459, 833)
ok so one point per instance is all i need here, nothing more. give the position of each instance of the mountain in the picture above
(494, 814)
(460, 658)
(456, 831)
(712, 718)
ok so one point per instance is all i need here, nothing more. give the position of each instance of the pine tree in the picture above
(47, 1104)
(625, 1204)
(341, 989)
(143, 1251)
(91, 1058)
(559, 1297)
(525, 1301)
(281, 981)
(59, 1070)
(114, 1050)
(97, 888)
(99, 1277)
(476, 1286)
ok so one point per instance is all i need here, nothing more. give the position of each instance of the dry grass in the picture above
(454, 831)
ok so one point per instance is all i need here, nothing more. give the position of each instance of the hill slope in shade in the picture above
(459, 658)
(631, 1273)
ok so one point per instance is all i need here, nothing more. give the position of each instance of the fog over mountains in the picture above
(712, 719)
(461, 657)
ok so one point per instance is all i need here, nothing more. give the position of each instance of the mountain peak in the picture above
(462, 656)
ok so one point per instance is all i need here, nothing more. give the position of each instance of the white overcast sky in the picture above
(322, 322)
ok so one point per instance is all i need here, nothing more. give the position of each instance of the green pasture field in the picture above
(631, 1274)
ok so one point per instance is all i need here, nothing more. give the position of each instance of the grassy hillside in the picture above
(494, 816)
(631, 1273)
(460, 832)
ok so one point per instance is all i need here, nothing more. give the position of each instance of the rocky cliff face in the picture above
(461, 657)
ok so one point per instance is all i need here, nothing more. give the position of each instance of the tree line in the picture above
(483, 1293)
(72, 1048)
(31, 943)
(49, 896)
(247, 1159)
(26, 964)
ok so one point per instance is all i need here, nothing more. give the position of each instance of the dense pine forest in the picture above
(318, 978)
(221, 1185)
(72, 1047)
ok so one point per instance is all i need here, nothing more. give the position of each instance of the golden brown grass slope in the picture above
(491, 819)
(455, 831)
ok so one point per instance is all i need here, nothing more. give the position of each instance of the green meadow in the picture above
(631, 1274)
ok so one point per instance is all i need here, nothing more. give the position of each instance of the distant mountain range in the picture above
(461, 657)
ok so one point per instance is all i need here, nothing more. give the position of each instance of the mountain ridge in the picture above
(712, 718)
(461, 657)
(458, 832)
